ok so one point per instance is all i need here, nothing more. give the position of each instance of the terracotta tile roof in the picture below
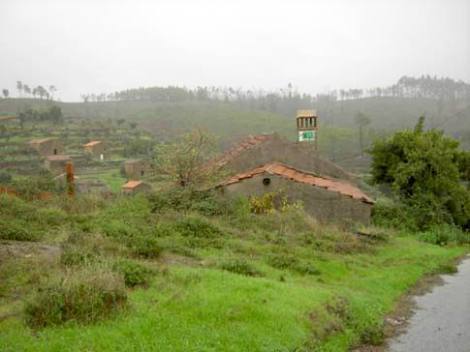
(295, 175)
(132, 184)
(92, 143)
(58, 157)
(246, 144)
(306, 113)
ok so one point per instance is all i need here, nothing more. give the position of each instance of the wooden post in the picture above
(70, 179)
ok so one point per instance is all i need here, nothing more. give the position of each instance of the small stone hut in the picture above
(135, 186)
(95, 148)
(136, 169)
(326, 199)
(56, 163)
(47, 146)
(262, 149)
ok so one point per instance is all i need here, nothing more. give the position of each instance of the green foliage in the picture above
(444, 234)
(184, 160)
(5, 178)
(188, 199)
(262, 204)
(85, 297)
(30, 187)
(17, 230)
(76, 256)
(423, 169)
(145, 246)
(134, 274)
(197, 227)
(240, 266)
(24, 221)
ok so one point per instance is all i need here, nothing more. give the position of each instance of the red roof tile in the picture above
(295, 175)
(246, 144)
(92, 143)
(132, 184)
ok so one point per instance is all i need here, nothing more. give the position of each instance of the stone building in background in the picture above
(136, 169)
(95, 148)
(56, 163)
(47, 146)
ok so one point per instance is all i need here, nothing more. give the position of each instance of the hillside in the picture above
(338, 137)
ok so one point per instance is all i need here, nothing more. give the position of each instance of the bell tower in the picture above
(307, 127)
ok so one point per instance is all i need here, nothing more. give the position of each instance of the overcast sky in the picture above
(83, 46)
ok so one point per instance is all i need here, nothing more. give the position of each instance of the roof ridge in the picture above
(277, 168)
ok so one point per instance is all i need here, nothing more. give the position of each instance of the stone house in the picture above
(47, 146)
(135, 169)
(262, 149)
(135, 186)
(327, 199)
(56, 163)
(95, 148)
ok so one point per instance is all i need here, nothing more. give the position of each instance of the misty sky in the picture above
(99, 46)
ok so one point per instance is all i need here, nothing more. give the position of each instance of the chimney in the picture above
(307, 127)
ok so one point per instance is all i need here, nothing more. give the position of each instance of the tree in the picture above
(184, 160)
(362, 121)
(425, 170)
(6, 93)
(26, 89)
(52, 89)
(19, 86)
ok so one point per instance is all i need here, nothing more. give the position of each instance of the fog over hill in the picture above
(104, 46)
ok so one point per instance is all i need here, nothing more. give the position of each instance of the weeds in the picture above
(83, 297)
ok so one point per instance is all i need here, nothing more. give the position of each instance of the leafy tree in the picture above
(6, 93)
(425, 170)
(184, 160)
(19, 86)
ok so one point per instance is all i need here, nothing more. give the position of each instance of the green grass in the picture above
(235, 281)
(205, 309)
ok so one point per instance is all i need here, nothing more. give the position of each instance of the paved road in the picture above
(442, 319)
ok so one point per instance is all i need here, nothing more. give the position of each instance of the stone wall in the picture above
(324, 205)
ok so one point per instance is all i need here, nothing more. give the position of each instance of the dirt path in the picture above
(441, 319)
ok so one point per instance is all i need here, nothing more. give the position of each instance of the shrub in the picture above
(5, 178)
(73, 256)
(283, 261)
(83, 297)
(240, 266)
(262, 204)
(197, 227)
(444, 234)
(17, 230)
(145, 246)
(134, 274)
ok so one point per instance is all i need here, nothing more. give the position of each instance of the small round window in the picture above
(266, 181)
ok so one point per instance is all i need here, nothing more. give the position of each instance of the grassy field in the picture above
(233, 281)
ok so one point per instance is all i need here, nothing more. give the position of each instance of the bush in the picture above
(134, 274)
(85, 297)
(290, 262)
(5, 178)
(444, 234)
(283, 261)
(197, 227)
(145, 246)
(17, 230)
(240, 266)
(73, 256)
